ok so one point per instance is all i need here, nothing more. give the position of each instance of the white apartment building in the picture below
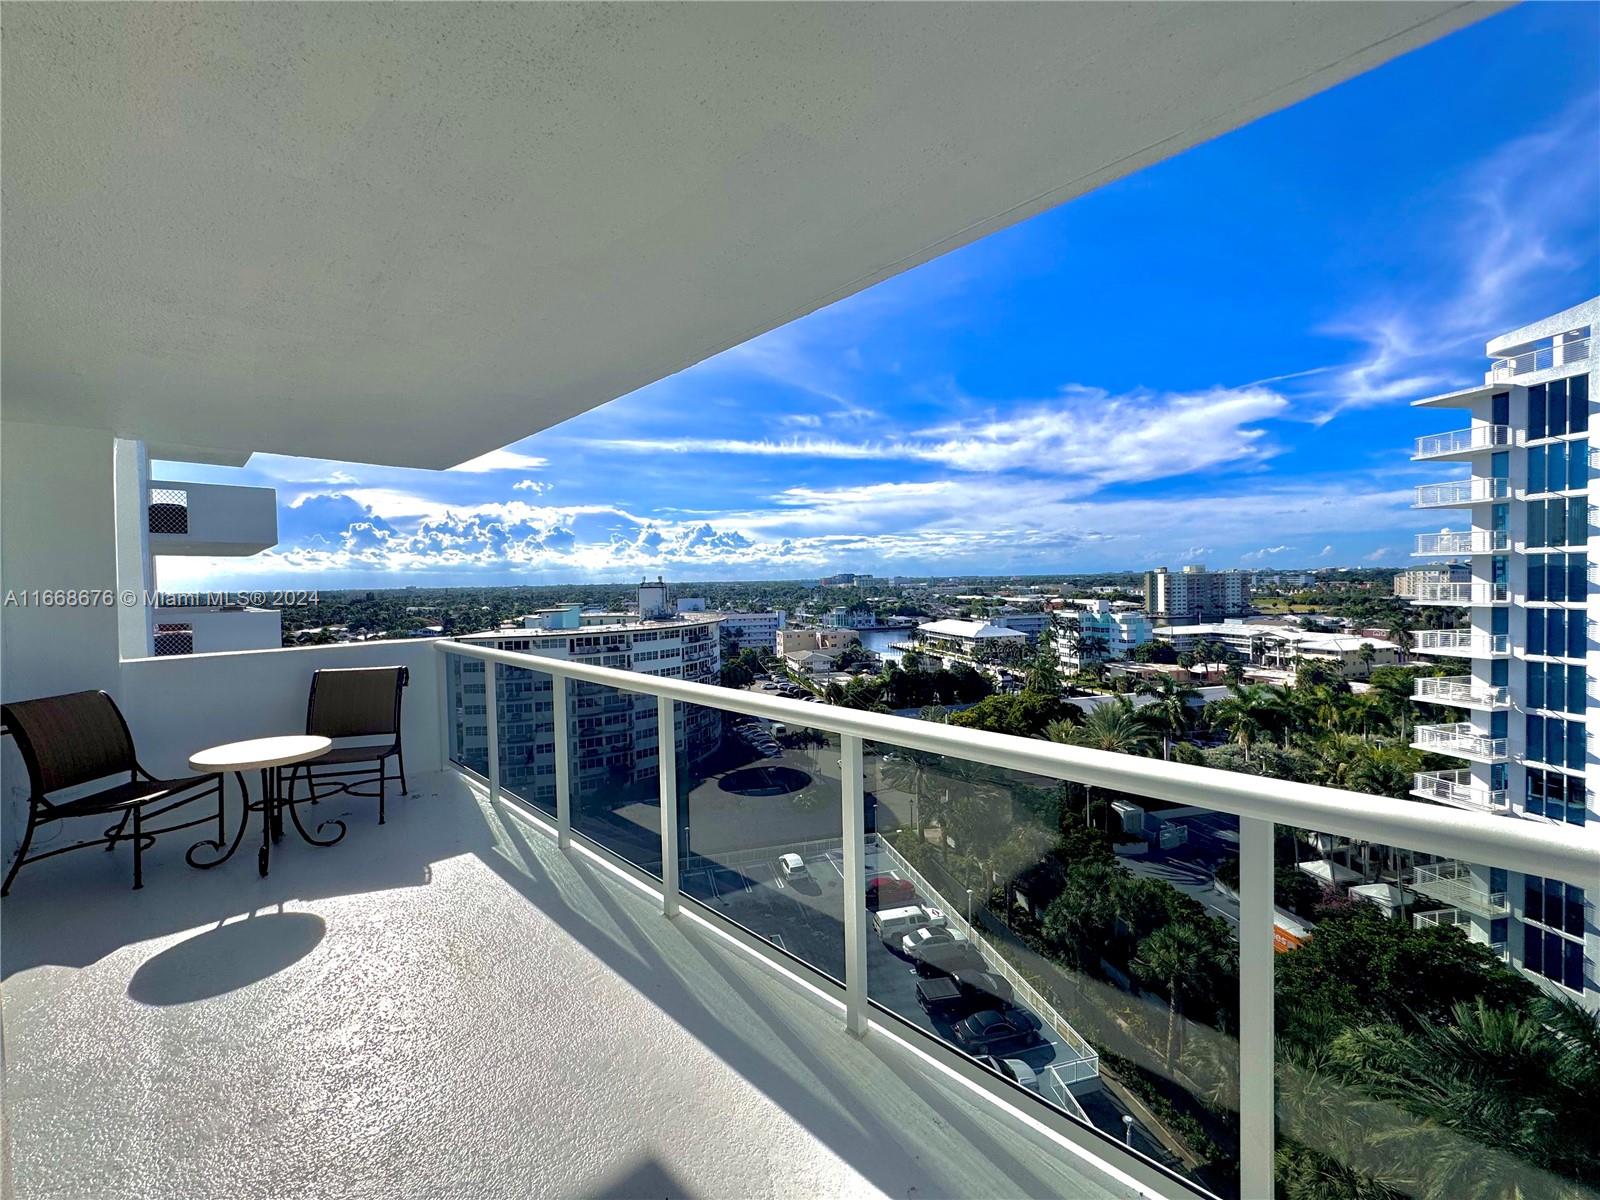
(1104, 633)
(1195, 595)
(956, 641)
(1032, 624)
(613, 734)
(1521, 492)
(754, 630)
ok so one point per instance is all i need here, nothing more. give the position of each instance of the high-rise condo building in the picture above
(1527, 657)
(1196, 595)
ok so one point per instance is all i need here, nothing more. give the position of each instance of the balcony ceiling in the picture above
(408, 234)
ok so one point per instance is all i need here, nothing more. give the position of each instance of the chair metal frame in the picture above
(367, 781)
(41, 811)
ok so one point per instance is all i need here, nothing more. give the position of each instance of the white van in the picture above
(894, 923)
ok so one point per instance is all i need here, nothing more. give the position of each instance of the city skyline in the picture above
(988, 413)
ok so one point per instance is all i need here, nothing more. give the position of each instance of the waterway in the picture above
(878, 640)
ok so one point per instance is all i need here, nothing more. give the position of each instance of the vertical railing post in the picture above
(563, 727)
(855, 886)
(1257, 1055)
(491, 709)
(447, 712)
(667, 773)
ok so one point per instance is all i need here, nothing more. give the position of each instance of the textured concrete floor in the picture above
(445, 1006)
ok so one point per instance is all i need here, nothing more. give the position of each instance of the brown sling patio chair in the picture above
(348, 703)
(80, 738)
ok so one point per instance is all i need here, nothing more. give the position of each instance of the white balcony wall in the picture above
(221, 629)
(184, 703)
(224, 520)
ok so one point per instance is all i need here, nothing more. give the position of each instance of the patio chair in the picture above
(347, 703)
(80, 738)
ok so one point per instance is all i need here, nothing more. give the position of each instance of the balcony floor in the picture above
(446, 1006)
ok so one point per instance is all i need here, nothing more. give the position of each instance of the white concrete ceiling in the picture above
(411, 233)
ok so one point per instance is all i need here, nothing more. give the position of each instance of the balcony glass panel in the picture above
(614, 771)
(1085, 925)
(527, 734)
(467, 713)
(753, 793)
(1415, 1058)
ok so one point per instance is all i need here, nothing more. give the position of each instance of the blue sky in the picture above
(1208, 361)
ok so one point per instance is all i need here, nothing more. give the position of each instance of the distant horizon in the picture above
(681, 584)
(1210, 359)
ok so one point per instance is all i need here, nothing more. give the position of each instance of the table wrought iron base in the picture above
(271, 806)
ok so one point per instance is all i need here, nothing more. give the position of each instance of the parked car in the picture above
(940, 997)
(946, 958)
(927, 935)
(993, 1031)
(984, 988)
(792, 866)
(886, 891)
(894, 923)
(1015, 1070)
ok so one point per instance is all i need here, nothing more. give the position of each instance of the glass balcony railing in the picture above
(1463, 441)
(1463, 541)
(1456, 884)
(1545, 358)
(1461, 643)
(1457, 789)
(1461, 690)
(1461, 491)
(1442, 918)
(1460, 739)
(1087, 937)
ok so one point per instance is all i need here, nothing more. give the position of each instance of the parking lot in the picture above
(805, 916)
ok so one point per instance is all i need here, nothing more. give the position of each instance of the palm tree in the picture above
(1171, 710)
(1179, 959)
(1400, 634)
(1114, 726)
(1249, 713)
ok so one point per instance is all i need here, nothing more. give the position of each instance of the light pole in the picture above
(1127, 1128)
(969, 906)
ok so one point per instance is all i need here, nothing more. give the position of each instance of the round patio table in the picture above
(265, 755)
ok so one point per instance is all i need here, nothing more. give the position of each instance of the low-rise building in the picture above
(956, 640)
(1104, 633)
(754, 630)
(1282, 647)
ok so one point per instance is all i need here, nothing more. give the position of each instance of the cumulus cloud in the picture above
(537, 487)
(1265, 552)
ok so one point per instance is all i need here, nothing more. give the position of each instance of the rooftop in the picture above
(968, 629)
(448, 998)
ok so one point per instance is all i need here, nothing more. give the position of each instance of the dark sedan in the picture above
(996, 1031)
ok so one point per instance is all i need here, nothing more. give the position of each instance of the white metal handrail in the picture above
(1523, 846)
(1461, 491)
(1460, 689)
(1544, 358)
(1456, 788)
(1453, 883)
(1458, 738)
(1450, 918)
(1467, 642)
(1463, 541)
(1462, 441)
(1460, 592)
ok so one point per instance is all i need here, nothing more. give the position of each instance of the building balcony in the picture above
(212, 519)
(1456, 789)
(1472, 592)
(1462, 691)
(1461, 491)
(212, 628)
(1453, 883)
(1442, 918)
(395, 973)
(1462, 541)
(1461, 740)
(1461, 643)
(1542, 358)
(1462, 443)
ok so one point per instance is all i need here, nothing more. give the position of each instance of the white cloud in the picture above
(1326, 552)
(1085, 433)
(1265, 552)
(502, 460)
(1378, 555)
(537, 487)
